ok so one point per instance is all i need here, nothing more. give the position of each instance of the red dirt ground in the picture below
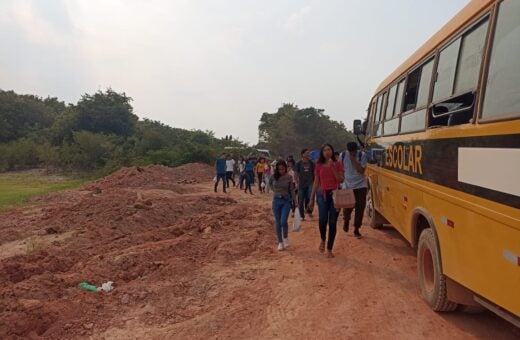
(188, 263)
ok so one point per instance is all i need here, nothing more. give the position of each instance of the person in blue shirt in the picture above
(220, 168)
(249, 174)
(355, 163)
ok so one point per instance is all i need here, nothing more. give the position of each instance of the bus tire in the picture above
(376, 219)
(431, 279)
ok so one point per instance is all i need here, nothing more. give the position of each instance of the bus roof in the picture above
(472, 10)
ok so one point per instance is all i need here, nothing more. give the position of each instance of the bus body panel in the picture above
(452, 153)
(479, 238)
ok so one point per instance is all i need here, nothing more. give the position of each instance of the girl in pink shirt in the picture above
(329, 174)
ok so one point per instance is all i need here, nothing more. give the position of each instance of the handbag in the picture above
(297, 221)
(344, 198)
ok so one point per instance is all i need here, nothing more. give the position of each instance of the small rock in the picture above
(88, 325)
(30, 304)
(125, 299)
(67, 326)
(207, 230)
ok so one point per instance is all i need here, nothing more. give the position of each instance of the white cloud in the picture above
(23, 15)
(295, 23)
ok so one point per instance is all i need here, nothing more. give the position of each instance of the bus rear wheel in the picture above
(431, 279)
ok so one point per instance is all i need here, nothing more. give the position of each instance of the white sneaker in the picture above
(280, 246)
(286, 243)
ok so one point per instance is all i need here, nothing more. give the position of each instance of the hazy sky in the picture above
(214, 64)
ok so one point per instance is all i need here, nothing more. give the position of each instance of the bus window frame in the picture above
(370, 117)
(485, 72)
(383, 95)
(396, 83)
(430, 57)
(488, 15)
(390, 89)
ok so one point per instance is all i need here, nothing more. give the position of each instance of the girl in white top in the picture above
(290, 171)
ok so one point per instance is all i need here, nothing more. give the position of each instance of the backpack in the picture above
(344, 155)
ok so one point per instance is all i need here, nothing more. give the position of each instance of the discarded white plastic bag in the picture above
(297, 221)
(107, 286)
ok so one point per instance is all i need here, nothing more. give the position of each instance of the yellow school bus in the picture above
(443, 138)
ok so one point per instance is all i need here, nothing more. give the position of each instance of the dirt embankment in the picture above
(151, 230)
(191, 264)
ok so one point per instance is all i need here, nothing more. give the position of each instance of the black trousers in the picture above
(361, 202)
(230, 177)
(260, 179)
(304, 198)
(223, 178)
(242, 179)
(328, 215)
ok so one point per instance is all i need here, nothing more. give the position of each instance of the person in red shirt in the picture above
(329, 174)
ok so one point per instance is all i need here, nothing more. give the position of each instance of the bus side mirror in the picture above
(357, 127)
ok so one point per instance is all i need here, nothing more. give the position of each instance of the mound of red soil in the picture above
(154, 176)
(137, 227)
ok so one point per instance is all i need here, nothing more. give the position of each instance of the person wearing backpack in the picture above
(355, 163)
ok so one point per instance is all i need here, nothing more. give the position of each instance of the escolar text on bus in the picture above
(404, 157)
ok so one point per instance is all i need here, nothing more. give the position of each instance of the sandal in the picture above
(330, 255)
(322, 247)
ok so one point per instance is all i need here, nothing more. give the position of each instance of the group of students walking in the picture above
(303, 184)
(249, 171)
(316, 183)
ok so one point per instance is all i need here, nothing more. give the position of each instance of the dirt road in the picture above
(191, 264)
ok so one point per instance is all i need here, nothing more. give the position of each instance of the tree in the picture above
(64, 125)
(290, 129)
(21, 115)
(106, 112)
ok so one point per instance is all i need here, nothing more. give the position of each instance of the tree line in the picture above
(98, 133)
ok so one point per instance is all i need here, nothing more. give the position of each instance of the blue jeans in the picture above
(266, 181)
(328, 215)
(304, 198)
(281, 209)
(249, 175)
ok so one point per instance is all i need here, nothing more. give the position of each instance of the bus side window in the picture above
(502, 92)
(416, 98)
(393, 108)
(378, 126)
(458, 71)
(370, 119)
